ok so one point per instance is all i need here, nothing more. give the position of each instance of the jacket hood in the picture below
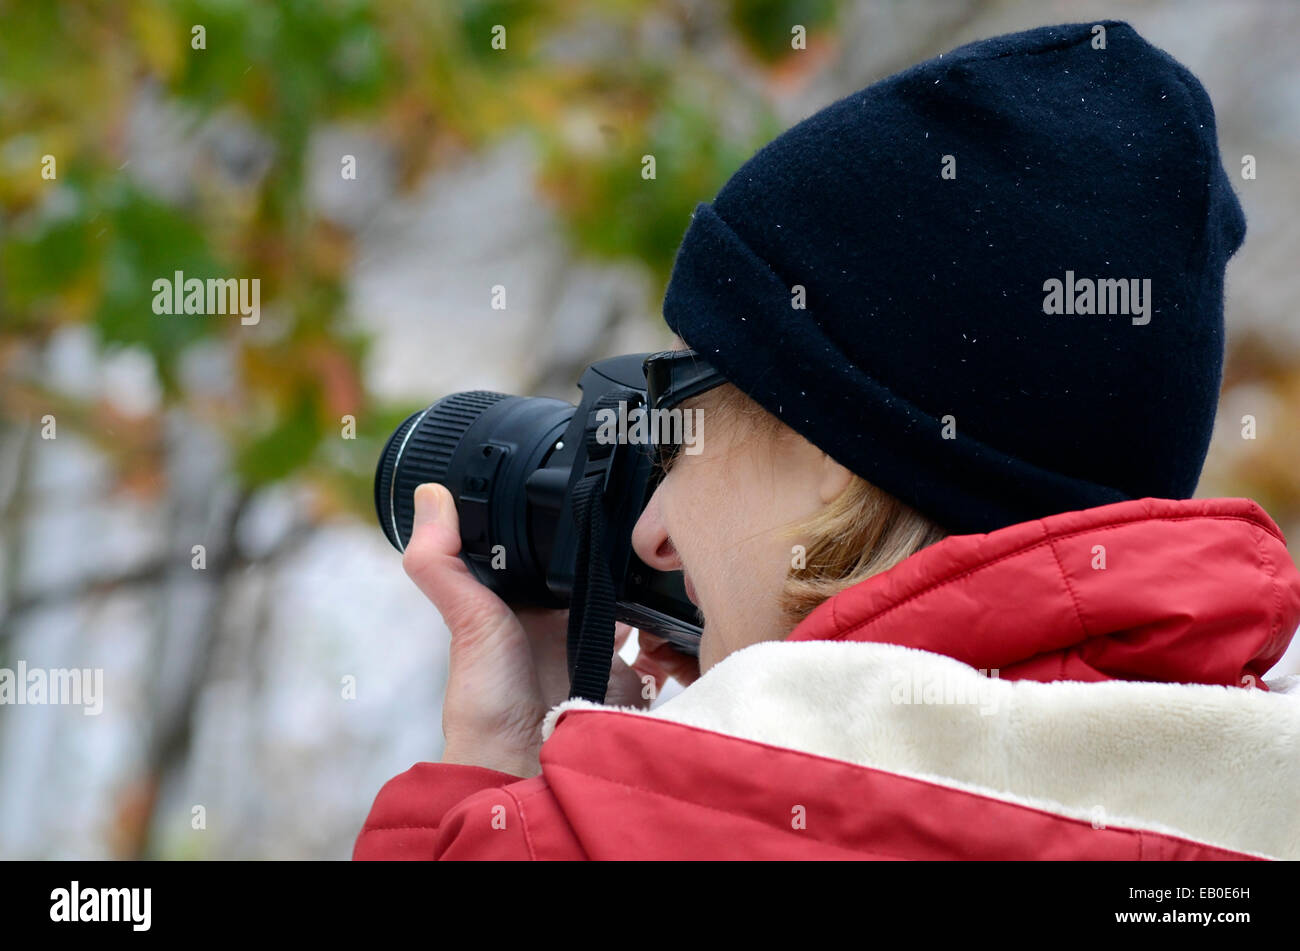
(1083, 686)
(1196, 591)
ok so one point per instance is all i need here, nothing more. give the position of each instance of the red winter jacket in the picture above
(1085, 686)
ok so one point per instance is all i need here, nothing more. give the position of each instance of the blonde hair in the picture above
(863, 532)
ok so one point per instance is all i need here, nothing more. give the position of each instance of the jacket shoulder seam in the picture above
(1074, 597)
(1279, 610)
(523, 821)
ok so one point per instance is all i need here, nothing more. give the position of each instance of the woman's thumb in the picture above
(430, 499)
(432, 561)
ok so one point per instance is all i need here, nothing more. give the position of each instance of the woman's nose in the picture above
(650, 539)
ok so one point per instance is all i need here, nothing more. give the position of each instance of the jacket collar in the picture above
(1212, 764)
(1193, 591)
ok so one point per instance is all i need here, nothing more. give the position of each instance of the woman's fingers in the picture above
(621, 633)
(624, 688)
(659, 655)
(648, 640)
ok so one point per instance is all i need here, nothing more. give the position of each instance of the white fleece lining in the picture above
(1219, 765)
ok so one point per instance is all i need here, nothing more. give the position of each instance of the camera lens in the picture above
(420, 451)
(482, 446)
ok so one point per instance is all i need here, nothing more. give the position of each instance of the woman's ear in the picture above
(834, 480)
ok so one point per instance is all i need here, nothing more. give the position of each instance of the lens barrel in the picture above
(420, 451)
(482, 446)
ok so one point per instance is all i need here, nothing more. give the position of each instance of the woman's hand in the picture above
(506, 669)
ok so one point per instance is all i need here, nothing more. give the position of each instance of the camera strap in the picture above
(592, 603)
(591, 608)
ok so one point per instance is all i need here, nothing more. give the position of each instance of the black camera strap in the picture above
(592, 604)
(591, 609)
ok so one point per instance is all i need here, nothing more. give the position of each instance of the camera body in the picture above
(515, 466)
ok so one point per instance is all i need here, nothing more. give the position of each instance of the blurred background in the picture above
(216, 138)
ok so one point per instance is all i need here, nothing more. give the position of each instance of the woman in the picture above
(957, 601)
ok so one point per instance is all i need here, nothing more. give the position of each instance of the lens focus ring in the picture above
(420, 451)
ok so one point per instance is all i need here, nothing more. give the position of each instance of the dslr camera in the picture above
(548, 494)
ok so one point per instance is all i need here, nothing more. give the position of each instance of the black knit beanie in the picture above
(992, 284)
